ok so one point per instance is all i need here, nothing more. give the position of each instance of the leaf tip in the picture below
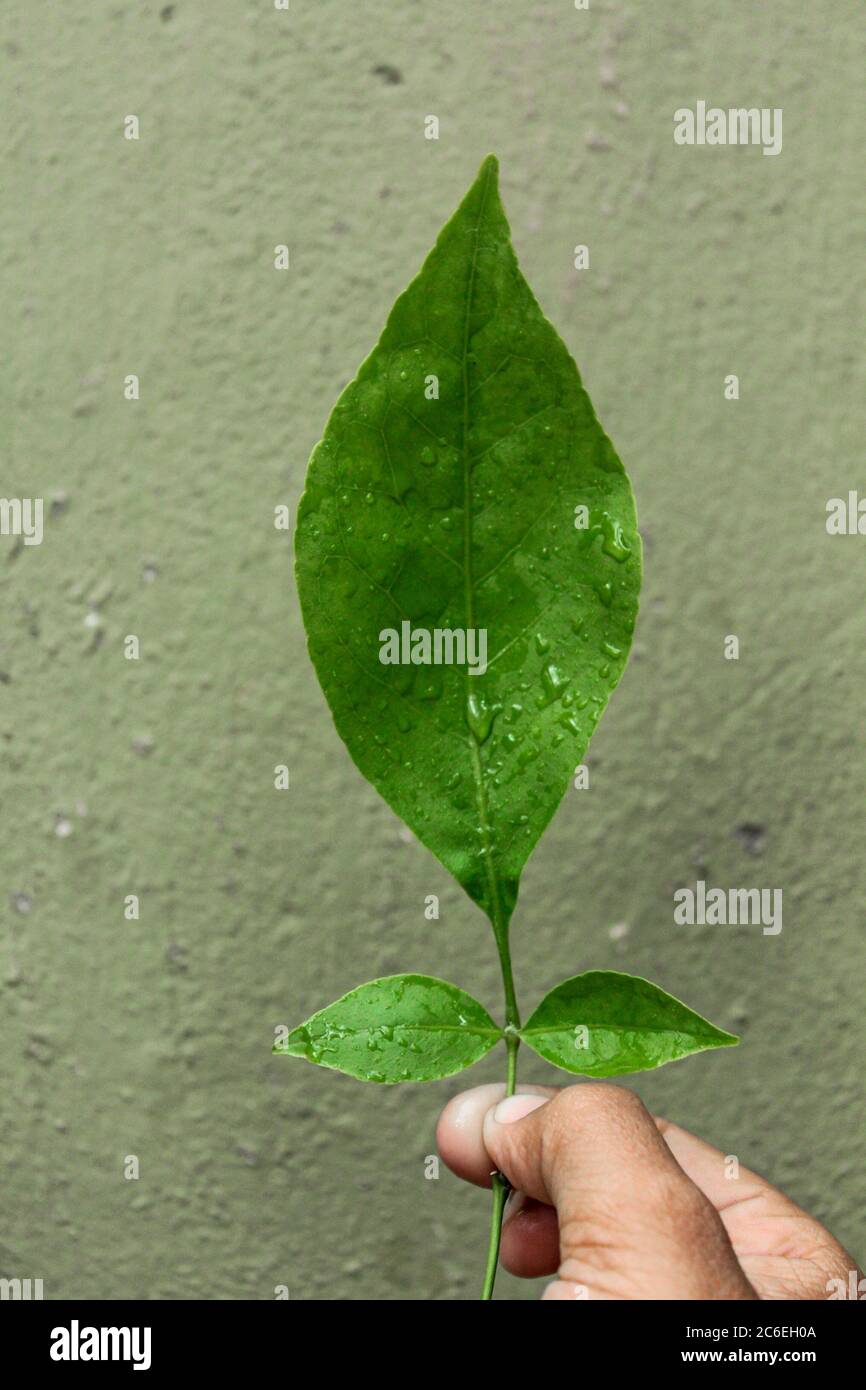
(488, 171)
(297, 1044)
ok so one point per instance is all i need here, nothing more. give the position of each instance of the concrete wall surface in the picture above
(155, 777)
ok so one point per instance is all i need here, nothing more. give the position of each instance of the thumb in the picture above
(631, 1223)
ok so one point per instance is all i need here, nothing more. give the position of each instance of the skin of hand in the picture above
(622, 1205)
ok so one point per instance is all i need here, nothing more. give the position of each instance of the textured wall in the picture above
(156, 777)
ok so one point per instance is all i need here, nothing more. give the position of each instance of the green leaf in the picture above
(399, 1028)
(458, 513)
(605, 1023)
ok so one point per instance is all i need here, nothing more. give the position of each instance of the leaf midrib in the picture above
(496, 916)
(493, 1032)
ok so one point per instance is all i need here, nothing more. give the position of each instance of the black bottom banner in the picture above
(72, 1338)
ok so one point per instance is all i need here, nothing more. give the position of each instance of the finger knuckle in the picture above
(596, 1101)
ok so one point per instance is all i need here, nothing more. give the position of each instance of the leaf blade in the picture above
(606, 1023)
(396, 1028)
(458, 513)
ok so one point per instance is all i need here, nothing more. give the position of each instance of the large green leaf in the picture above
(460, 513)
(605, 1023)
(399, 1028)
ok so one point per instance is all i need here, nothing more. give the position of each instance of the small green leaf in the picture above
(399, 1028)
(605, 1023)
(464, 489)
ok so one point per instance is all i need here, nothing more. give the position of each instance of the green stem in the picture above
(498, 1182)
(500, 932)
(500, 1192)
(512, 1042)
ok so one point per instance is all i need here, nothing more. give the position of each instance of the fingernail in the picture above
(515, 1107)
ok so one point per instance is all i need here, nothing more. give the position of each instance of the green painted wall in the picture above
(155, 257)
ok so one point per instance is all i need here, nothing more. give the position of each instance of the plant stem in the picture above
(512, 1042)
(500, 1192)
(512, 1015)
(498, 1182)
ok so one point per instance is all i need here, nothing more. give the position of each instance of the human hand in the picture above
(622, 1205)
